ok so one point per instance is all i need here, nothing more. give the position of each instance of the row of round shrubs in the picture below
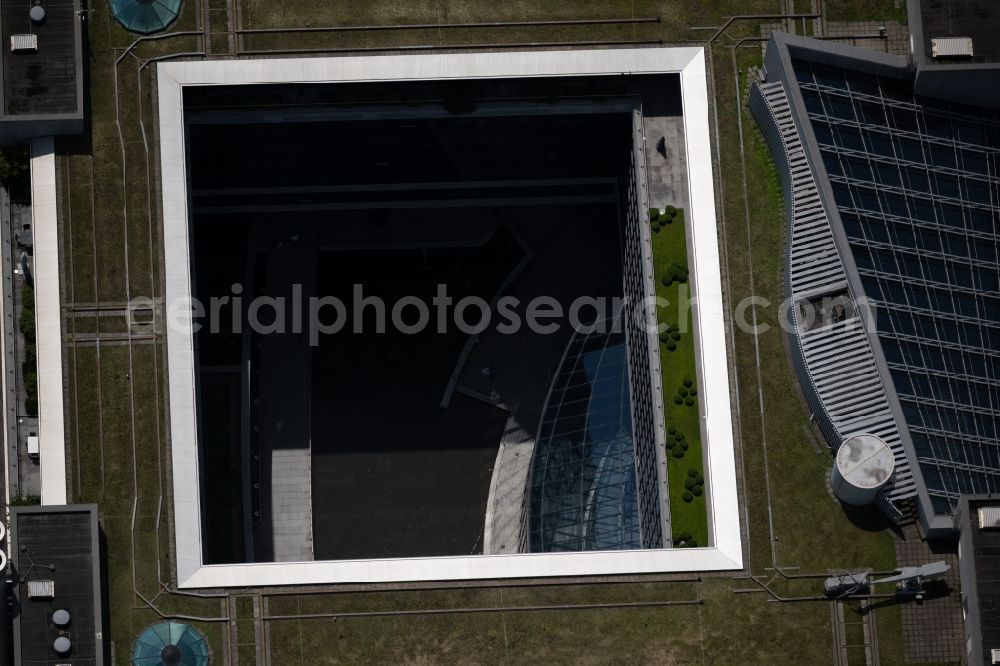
(658, 219)
(685, 540)
(669, 337)
(676, 442)
(686, 393)
(694, 485)
(677, 272)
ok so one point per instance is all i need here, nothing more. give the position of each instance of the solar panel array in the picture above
(917, 184)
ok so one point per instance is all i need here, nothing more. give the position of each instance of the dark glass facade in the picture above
(916, 181)
(582, 493)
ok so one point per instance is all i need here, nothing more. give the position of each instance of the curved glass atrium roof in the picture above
(145, 16)
(917, 184)
(171, 644)
(582, 493)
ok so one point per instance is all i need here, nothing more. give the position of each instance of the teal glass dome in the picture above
(145, 16)
(171, 643)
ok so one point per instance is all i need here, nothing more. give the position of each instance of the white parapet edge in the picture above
(48, 331)
(726, 553)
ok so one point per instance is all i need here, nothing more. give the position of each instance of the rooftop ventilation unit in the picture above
(989, 517)
(41, 589)
(24, 43)
(995, 656)
(951, 47)
(37, 13)
(62, 645)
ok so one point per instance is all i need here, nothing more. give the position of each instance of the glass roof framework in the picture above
(156, 643)
(917, 185)
(583, 493)
(145, 16)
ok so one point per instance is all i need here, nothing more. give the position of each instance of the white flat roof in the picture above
(726, 554)
(48, 318)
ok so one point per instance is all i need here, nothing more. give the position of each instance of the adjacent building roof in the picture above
(42, 90)
(956, 75)
(55, 565)
(910, 185)
(979, 20)
(979, 568)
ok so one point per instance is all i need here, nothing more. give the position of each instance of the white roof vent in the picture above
(989, 517)
(951, 47)
(995, 656)
(23, 43)
(41, 589)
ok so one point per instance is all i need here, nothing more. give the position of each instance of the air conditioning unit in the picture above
(41, 589)
(989, 517)
(995, 656)
(23, 43)
(951, 47)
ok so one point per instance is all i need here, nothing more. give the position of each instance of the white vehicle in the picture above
(33, 446)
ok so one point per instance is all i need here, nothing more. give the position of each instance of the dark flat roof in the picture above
(986, 563)
(59, 544)
(978, 19)
(45, 82)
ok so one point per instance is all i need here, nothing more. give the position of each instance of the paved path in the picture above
(667, 174)
(285, 383)
(510, 474)
(932, 630)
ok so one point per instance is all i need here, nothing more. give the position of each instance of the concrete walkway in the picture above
(667, 175)
(285, 386)
(510, 475)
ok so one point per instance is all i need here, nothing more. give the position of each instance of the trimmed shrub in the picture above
(678, 452)
(678, 400)
(684, 445)
(697, 490)
(671, 438)
(670, 210)
(693, 391)
(689, 401)
(656, 228)
(675, 335)
(692, 472)
(671, 443)
(654, 213)
(667, 280)
(666, 219)
(682, 391)
(692, 543)
(671, 346)
(672, 430)
(27, 323)
(687, 496)
(682, 278)
(689, 483)
(700, 480)
(688, 382)
(31, 408)
(664, 337)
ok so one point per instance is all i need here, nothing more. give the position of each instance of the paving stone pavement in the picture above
(932, 630)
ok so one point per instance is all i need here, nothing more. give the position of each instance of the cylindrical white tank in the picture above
(864, 464)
